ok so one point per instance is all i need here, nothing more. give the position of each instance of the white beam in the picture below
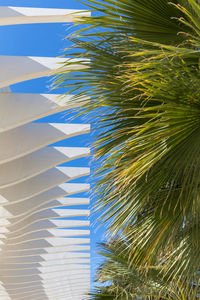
(37, 223)
(34, 136)
(27, 208)
(18, 109)
(15, 69)
(43, 258)
(35, 163)
(54, 193)
(43, 243)
(11, 15)
(50, 249)
(40, 183)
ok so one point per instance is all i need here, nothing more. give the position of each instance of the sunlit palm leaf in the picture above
(118, 278)
(143, 81)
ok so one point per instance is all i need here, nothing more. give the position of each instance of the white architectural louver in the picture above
(33, 67)
(26, 15)
(44, 246)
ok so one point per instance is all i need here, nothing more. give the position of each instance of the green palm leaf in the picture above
(118, 278)
(143, 84)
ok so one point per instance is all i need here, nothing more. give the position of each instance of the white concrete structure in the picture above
(27, 15)
(24, 108)
(15, 69)
(44, 227)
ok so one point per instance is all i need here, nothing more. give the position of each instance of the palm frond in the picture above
(124, 280)
(143, 82)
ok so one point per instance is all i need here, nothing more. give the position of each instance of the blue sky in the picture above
(48, 40)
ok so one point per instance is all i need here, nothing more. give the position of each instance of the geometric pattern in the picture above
(44, 245)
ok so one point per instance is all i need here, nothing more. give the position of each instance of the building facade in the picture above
(44, 245)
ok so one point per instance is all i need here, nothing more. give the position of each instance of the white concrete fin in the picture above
(71, 223)
(44, 270)
(41, 234)
(11, 15)
(73, 279)
(47, 285)
(37, 280)
(70, 273)
(64, 255)
(18, 109)
(28, 207)
(53, 291)
(15, 69)
(43, 257)
(66, 201)
(47, 197)
(54, 295)
(43, 220)
(46, 250)
(71, 212)
(74, 188)
(40, 183)
(34, 136)
(47, 242)
(4, 213)
(66, 262)
(30, 165)
(36, 223)
(74, 172)
(72, 152)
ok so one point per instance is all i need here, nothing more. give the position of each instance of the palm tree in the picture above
(117, 278)
(143, 84)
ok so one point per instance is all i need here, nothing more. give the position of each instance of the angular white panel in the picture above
(29, 207)
(47, 250)
(30, 165)
(15, 69)
(47, 242)
(18, 109)
(40, 183)
(57, 256)
(48, 196)
(10, 15)
(40, 234)
(26, 139)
